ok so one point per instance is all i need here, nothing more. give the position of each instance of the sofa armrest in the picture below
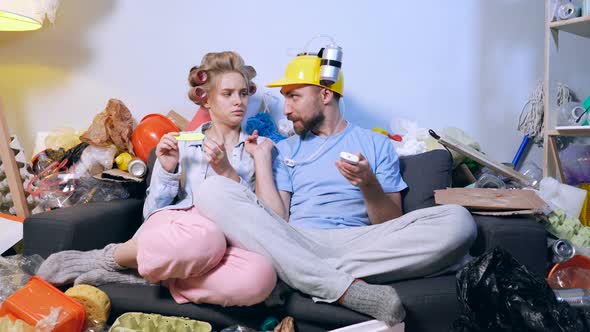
(522, 236)
(82, 227)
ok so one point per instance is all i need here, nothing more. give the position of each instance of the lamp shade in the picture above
(21, 15)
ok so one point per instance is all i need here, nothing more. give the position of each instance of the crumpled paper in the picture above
(114, 125)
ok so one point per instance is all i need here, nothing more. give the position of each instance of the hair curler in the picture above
(198, 95)
(198, 77)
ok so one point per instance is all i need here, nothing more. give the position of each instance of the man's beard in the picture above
(310, 125)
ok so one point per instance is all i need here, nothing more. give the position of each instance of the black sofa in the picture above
(431, 303)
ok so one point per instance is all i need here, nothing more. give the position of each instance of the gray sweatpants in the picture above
(323, 263)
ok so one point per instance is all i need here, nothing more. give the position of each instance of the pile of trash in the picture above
(70, 171)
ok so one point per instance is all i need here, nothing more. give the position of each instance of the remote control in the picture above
(349, 158)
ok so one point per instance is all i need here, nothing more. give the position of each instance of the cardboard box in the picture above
(492, 201)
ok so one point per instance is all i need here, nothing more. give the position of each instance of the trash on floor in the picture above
(578, 298)
(15, 272)
(561, 226)
(40, 304)
(573, 273)
(499, 294)
(138, 321)
(6, 324)
(97, 305)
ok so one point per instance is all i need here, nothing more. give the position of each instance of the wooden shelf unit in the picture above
(579, 26)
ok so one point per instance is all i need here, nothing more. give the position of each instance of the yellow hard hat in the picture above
(305, 69)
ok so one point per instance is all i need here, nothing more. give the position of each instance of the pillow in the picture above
(424, 173)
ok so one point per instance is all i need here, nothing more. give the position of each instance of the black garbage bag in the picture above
(499, 294)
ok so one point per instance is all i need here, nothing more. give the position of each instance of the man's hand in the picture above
(217, 157)
(167, 152)
(359, 175)
(257, 150)
(381, 207)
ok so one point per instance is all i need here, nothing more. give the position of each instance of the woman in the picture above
(176, 245)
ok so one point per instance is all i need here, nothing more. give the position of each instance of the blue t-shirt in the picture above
(320, 196)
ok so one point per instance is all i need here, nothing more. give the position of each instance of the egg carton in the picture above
(26, 175)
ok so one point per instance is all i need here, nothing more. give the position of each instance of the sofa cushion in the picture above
(424, 173)
(435, 296)
(522, 236)
(157, 299)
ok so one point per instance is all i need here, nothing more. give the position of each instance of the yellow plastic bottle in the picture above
(122, 160)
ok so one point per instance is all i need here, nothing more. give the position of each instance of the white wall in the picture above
(469, 64)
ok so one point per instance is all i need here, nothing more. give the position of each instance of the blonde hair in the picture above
(215, 64)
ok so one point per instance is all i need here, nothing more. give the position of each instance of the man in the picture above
(345, 222)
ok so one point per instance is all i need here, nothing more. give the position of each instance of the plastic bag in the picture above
(575, 161)
(499, 294)
(53, 187)
(94, 160)
(412, 137)
(563, 196)
(62, 137)
(41, 161)
(488, 180)
(15, 271)
(57, 187)
(93, 190)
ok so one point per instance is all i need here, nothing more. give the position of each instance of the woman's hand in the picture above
(258, 150)
(167, 152)
(217, 157)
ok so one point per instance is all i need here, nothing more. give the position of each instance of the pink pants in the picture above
(188, 253)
